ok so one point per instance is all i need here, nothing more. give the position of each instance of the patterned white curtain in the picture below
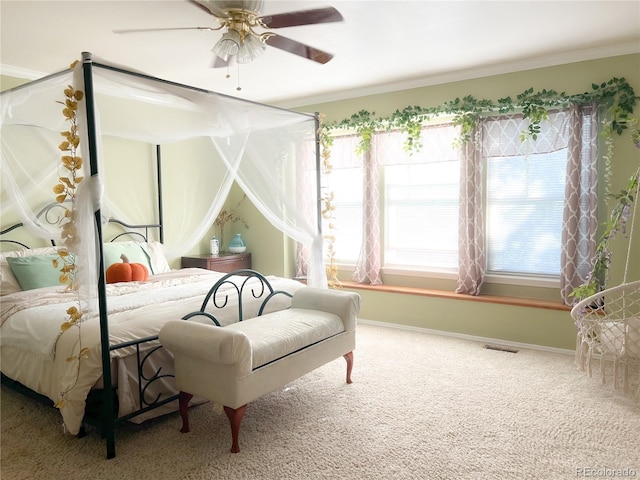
(471, 247)
(368, 266)
(580, 220)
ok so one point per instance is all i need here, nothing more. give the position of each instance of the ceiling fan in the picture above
(241, 20)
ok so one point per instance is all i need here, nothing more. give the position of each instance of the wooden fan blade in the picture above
(302, 17)
(138, 30)
(297, 48)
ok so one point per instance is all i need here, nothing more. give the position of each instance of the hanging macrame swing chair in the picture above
(608, 324)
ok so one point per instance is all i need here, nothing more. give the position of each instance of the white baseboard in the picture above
(492, 341)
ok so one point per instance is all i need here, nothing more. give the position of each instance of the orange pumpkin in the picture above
(127, 272)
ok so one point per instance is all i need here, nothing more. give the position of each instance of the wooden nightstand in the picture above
(224, 262)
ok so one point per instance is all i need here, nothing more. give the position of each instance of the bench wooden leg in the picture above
(183, 401)
(349, 358)
(235, 417)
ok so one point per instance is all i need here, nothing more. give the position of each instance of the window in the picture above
(519, 189)
(346, 183)
(525, 200)
(421, 214)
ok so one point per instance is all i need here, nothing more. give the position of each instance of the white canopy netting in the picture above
(208, 141)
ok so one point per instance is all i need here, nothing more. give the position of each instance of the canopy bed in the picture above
(270, 153)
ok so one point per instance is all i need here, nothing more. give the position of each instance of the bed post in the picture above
(318, 172)
(159, 177)
(108, 413)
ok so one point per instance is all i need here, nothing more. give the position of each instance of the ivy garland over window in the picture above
(616, 97)
(616, 100)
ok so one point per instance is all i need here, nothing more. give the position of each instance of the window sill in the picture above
(496, 299)
(416, 272)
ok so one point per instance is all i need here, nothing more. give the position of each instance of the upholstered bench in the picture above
(236, 364)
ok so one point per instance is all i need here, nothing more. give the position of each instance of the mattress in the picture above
(34, 351)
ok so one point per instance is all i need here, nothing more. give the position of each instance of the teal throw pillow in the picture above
(35, 271)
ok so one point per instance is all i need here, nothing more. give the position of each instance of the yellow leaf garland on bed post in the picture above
(66, 190)
(326, 141)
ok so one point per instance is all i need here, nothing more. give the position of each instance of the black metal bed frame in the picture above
(94, 412)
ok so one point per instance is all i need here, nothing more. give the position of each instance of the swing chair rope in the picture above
(633, 220)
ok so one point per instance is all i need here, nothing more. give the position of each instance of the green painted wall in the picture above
(550, 328)
(511, 323)
(267, 244)
(7, 82)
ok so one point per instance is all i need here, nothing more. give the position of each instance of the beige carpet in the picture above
(421, 406)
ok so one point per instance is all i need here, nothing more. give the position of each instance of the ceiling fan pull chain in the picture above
(238, 88)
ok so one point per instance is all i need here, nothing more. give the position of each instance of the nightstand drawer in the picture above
(224, 262)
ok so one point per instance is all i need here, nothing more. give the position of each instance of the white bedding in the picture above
(29, 308)
(34, 352)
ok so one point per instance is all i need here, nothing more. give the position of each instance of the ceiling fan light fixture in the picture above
(228, 45)
(250, 49)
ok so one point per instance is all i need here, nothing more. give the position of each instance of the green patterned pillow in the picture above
(36, 271)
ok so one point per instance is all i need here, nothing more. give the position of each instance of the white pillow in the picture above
(633, 337)
(612, 337)
(614, 334)
(158, 257)
(8, 282)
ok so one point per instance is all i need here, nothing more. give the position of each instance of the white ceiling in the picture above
(380, 46)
